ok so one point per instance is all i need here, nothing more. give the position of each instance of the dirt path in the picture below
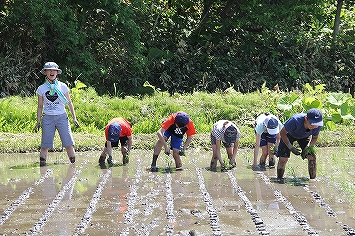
(83, 199)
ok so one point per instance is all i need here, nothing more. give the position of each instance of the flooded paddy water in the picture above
(86, 199)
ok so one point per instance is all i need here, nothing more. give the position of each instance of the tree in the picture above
(337, 19)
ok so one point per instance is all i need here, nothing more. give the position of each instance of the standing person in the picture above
(117, 129)
(53, 95)
(226, 132)
(267, 128)
(174, 127)
(303, 128)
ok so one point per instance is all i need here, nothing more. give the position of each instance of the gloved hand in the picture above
(181, 153)
(303, 154)
(295, 151)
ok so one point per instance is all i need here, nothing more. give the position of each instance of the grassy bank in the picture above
(18, 117)
(30, 142)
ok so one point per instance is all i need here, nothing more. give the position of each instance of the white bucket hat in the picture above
(51, 66)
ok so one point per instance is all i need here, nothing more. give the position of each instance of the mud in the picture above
(86, 199)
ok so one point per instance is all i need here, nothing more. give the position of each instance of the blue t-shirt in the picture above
(295, 127)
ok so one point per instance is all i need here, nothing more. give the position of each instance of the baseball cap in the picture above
(230, 134)
(272, 125)
(182, 119)
(315, 117)
(51, 66)
(114, 131)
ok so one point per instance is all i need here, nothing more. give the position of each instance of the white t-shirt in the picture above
(260, 126)
(51, 103)
(218, 129)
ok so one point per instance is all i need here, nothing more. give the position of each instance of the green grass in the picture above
(18, 117)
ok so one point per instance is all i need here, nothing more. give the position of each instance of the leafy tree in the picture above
(178, 46)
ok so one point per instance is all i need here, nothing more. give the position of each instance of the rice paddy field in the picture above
(85, 198)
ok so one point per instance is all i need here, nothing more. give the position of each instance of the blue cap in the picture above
(182, 119)
(114, 131)
(272, 125)
(315, 117)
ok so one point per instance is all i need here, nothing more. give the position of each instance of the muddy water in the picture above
(84, 199)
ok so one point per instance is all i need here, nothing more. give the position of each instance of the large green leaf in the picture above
(79, 84)
(288, 101)
(338, 99)
(310, 102)
(330, 125)
(336, 117)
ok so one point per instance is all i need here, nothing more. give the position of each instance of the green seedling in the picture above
(168, 163)
(311, 150)
(273, 149)
(227, 163)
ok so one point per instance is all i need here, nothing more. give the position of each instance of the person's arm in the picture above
(235, 149)
(278, 136)
(218, 152)
(256, 150)
(129, 143)
(283, 134)
(109, 148)
(39, 113)
(71, 109)
(313, 140)
(160, 134)
(187, 143)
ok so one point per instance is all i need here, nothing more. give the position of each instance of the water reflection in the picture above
(263, 204)
(334, 183)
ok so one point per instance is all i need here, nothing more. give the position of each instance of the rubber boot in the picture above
(72, 159)
(125, 159)
(154, 167)
(271, 162)
(102, 159)
(109, 161)
(280, 174)
(42, 161)
(213, 165)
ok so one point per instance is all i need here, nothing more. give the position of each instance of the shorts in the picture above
(175, 141)
(267, 138)
(50, 123)
(123, 140)
(283, 150)
(226, 145)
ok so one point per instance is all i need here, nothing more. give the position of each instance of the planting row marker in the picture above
(259, 224)
(47, 213)
(299, 217)
(214, 219)
(25, 195)
(92, 205)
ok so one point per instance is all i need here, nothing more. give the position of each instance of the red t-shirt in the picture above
(126, 129)
(169, 124)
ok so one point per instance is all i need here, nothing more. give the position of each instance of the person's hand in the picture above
(76, 123)
(303, 154)
(37, 127)
(295, 151)
(273, 149)
(182, 153)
